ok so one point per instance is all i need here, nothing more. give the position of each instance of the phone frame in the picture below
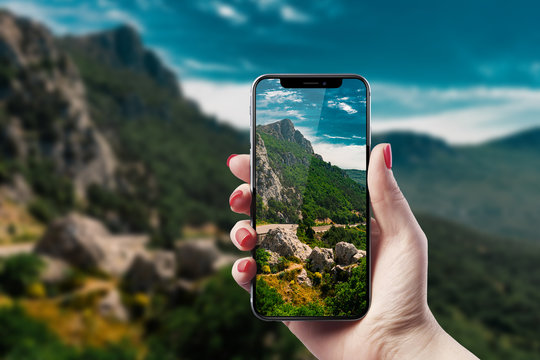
(252, 111)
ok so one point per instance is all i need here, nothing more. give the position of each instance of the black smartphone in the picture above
(310, 143)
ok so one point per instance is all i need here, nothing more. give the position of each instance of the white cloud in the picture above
(508, 110)
(228, 101)
(205, 66)
(347, 108)
(230, 13)
(290, 14)
(344, 156)
(484, 113)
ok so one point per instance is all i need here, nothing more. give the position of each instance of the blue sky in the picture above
(333, 119)
(465, 71)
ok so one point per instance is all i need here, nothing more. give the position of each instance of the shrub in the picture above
(18, 272)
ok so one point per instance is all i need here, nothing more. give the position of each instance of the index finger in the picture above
(239, 165)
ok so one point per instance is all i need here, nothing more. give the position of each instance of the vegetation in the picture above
(19, 272)
(22, 337)
(206, 329)
(150, 125)
(318, 191)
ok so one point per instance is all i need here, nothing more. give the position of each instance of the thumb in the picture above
(391, 210)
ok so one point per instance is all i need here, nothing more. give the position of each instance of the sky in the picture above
(465, 71)
(333, 119)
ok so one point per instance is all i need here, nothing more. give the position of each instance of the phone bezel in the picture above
(253, 189)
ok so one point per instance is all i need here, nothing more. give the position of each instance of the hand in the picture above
(399, 323)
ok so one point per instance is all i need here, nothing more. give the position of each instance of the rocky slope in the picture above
(43, 111)
(293, 182)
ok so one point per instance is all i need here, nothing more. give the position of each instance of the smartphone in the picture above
(310, 143)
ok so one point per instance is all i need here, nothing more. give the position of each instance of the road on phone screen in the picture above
(263, 229)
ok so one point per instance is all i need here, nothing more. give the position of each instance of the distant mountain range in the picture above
(295, 183)
(492, 187)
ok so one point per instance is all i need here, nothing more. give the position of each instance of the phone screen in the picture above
(310, 207)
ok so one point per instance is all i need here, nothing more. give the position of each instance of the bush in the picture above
(19, 272)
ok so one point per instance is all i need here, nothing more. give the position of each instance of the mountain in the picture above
(481, 289)
(122, 48)
(97, 123)
(492, 187)
(294, 183)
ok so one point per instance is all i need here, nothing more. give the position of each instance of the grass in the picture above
(17, 225)
(290, 290)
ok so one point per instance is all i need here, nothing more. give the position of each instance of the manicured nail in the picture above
(235, 195)
(243, 236)
(229, 158)
(388, 156)
(243, 266)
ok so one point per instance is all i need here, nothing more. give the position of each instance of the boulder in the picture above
(274, 258)
(303, 279)
(321, 259)
(151, 270)
(200, 257)
(285, 243)
(347, 253)
(55, 270)
(75, 239)
(84, 242)
(111, 306)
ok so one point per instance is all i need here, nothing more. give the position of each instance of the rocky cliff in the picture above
(43, 111)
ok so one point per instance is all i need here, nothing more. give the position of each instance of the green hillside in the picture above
(483, 289)
(357, 175)
(492, 187)
(326, 190)
(148, 123)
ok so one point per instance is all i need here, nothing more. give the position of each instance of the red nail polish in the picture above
(388, 156)
(243, 236)
(235, 195)
(229, 158)
(243, 266)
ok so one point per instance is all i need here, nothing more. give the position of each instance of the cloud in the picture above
(230, 13)
(488, 112)
(290, 14)
(279, 97)
(207, 66)
(228, 101)
(458, 115)
(344, 156)
(347, 108)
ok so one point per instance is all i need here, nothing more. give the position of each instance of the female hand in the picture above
(399, 323)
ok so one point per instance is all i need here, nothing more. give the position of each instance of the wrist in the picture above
(425, 339)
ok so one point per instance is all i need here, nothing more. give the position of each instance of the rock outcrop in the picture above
(200, 257)
(285, 243)
(284, 130)
(46, 102)
(347, 253)
(267, 180)
(111, 306)
(303, 279)
(85, 243)
(150, 271)
(321, 259)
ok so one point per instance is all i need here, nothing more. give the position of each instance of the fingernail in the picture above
(243, 236)
(229, 158)
(235, 195)
(243, 266)
(388, 156)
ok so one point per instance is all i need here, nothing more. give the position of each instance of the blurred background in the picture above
(116, 120)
